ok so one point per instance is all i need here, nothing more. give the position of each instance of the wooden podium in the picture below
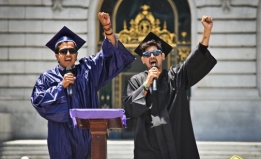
(99, 121)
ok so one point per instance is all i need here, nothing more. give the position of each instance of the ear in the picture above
(142, 59)
(57, 56)
(163, 56)
(76, 56)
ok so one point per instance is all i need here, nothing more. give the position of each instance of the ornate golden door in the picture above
(132, 21)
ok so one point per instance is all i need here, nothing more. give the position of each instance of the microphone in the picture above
(154, 84)
(69, 88)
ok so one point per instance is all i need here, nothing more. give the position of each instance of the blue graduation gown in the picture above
(51, 101)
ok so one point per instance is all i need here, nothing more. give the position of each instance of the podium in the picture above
(98, 121)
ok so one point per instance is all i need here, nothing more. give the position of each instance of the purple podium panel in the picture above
(105, 114)
(98, 121)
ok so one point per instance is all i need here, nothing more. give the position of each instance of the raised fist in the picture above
(104, 18)
(207, 22)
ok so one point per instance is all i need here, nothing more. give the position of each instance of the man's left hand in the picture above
(207, 22)
(104, 18)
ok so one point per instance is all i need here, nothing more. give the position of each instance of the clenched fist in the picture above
(104, 18)
(207, 22)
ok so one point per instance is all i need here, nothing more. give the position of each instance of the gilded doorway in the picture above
(132, 20)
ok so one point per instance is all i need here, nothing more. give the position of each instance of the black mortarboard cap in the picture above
(166, 48)
(65, 34)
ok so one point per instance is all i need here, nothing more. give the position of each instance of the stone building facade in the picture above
(225, 105)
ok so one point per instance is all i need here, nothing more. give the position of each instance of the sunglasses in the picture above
(71, 51)
(148, 53)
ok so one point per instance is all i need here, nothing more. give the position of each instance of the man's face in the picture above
(67, 54)
(148, 60)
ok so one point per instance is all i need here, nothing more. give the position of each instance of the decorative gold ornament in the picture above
(144, 23)
(236, 157)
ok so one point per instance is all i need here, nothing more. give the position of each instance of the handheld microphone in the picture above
(154, 84)
(69, 88)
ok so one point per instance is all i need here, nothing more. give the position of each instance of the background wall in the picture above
(226, 104)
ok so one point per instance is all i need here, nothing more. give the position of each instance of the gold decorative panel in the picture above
(144, 23)
(236, 157)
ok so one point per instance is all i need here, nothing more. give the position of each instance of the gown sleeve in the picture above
(107, 63)
(198, 64)
(133, 98)
(49, 99)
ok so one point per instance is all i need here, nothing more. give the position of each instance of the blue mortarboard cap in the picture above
(65, 34)
(166, 48)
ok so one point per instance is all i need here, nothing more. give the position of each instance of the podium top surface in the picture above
(97, 114)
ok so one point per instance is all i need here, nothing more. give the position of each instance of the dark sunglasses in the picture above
(71, 51)
(148, 53)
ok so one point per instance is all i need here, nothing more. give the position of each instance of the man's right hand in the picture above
(68, 79)
(152, 73)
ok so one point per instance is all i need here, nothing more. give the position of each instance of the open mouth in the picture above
(68, 60)
(153, 61)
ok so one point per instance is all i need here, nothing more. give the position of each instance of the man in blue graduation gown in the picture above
(70, 86)
(164, 129)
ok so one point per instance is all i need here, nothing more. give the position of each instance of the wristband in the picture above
(109, 33)
(145, 87)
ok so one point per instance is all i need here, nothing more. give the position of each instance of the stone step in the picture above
(123, 149)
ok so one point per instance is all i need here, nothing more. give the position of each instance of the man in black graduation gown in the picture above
(164, 129)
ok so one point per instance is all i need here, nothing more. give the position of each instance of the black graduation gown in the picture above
(164, 129)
